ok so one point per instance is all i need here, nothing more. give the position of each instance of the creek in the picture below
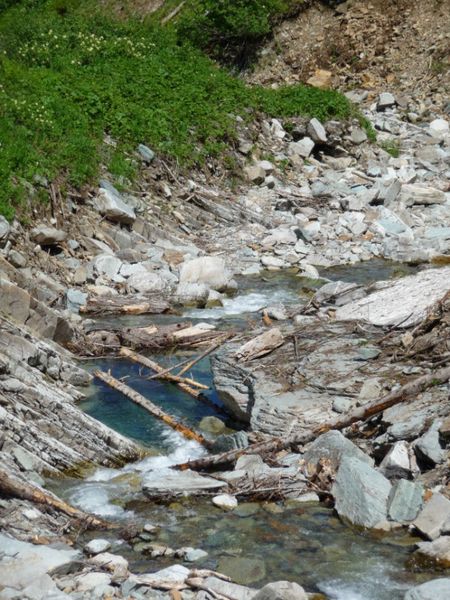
(258, 542)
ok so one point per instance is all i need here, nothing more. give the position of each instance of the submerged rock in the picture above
(361, 493)
(243, 570)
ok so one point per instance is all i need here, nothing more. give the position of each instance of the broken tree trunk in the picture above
(361, 413)
(154, 410)
(260, 345)
(183, 383)
(13, 487)
(208, 351)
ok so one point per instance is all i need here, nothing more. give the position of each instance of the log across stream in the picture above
(257, 543)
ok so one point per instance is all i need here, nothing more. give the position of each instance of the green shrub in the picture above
(69, 75)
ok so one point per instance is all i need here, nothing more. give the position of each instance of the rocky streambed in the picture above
(292, 264)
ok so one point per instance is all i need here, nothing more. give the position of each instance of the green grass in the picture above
(69, 75)
(392, 147)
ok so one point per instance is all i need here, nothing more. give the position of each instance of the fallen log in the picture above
(183, 383)
(362, 413)
(204, 354)
(124, 305)
(154, 410)
(260, 345)
(13, 487)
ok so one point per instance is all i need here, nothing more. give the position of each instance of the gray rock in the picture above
(5, 228)
(195, 554)
(255, 174)
(433, 516)
(89, 581)
(110, 204)
(47, 236)
(146, 153)
(229, 590)
(414, 193)
(334, 447)
(437, 589)
(105, 264)
(75, 299)
(405, 500)
(175, 574)
(17, 259)
(281, 590)
(196, 294)
(341, 404)
(361, 493)
(316, 131)
(182, 483)
(97, 546)
(358, 135)
(233, 441)
(385, 100)
(267, 166)
(428, 447)
(302, 148)
(243, 570)
(147, 282)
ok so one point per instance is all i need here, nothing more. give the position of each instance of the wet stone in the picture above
(405, 500)
(243, 570)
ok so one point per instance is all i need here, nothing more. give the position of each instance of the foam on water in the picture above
(96, 493)
(245, 303)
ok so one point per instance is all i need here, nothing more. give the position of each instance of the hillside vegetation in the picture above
(80, 89)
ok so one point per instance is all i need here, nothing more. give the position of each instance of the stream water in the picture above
(256, 543)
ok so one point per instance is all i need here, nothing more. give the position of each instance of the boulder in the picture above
(196, 294)
(18, 260)
(212, 425)
(405, 500)
(15, 302)
(208, 270)
(47, 236)
(437, 589)
(75, 299)
(361, 493)
(281, 590)
(403, 303)
(232, 441)
(110, 204)
(433, 517)
(108, 265)
(435, 553)
(195, 554)
(334, 447)
(176, 575)
(439, 128)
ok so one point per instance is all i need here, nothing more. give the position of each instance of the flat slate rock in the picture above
(179, 483)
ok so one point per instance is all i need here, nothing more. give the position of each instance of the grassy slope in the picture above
(70, 74)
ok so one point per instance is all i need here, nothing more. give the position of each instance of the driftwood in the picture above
(208, 351)
(124, 305)
(13, 487)
(103, 342)
(362, 413)
(151, 408)
(260, 345)
(183, 383)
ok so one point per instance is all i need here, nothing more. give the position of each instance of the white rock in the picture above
(107, 265)
(210, 270)
(147, 282)
(267, 166)
(89, 581)
(225, 501)
(272, 262)
(413, 193)
(439, 128)
(97, 546)
(385, 100)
